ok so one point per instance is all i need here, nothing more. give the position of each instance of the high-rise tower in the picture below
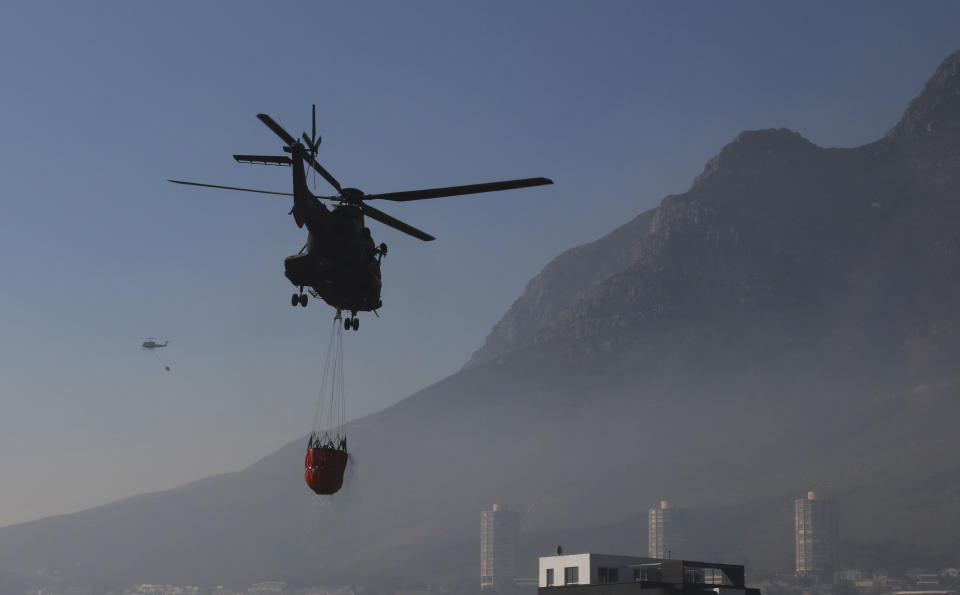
(816, 532)
(668, 532)
(498, 547)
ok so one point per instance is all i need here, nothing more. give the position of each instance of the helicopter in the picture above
(150, 343)
(340, 262)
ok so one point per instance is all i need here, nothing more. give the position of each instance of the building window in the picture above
(608, 575)
(571, 575)
(549, 577)
(693, 576)
(712, 576)
(647, 573)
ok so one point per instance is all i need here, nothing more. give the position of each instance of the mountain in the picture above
(788, 323)
(773, 219)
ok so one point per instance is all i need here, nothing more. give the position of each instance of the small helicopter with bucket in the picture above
(151, 344)
(340, 263)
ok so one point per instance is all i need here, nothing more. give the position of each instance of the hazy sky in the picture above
(619, 102)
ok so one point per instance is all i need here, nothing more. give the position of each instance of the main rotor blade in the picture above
(396, 223)
(277, 129)
(230, 188)
(287, 138)
(458, 190)
(326, 175)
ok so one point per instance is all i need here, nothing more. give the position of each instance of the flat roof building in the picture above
(603, 574)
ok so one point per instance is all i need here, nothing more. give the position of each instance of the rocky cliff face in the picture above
(778, 245)
(927, 138)
(564, 281)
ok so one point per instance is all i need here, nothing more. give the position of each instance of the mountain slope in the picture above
(561, 283)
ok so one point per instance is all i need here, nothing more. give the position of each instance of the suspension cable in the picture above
(330, 411)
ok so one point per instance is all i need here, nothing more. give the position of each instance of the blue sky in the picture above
(620, 103)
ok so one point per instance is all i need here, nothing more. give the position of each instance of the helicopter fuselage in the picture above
(340, 261)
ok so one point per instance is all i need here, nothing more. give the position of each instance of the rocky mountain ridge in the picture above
(772, 212)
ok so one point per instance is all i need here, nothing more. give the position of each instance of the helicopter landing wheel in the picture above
(347, 323)
(294, 300)
(303, 300)
(356, 323)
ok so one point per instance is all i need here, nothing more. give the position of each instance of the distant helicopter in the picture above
(340, 262)
(151, 344)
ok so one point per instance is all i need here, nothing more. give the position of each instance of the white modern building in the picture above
(599, 574)
(588, 569)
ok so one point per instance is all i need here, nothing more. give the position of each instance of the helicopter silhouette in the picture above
(340, 263)
(150, 344)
